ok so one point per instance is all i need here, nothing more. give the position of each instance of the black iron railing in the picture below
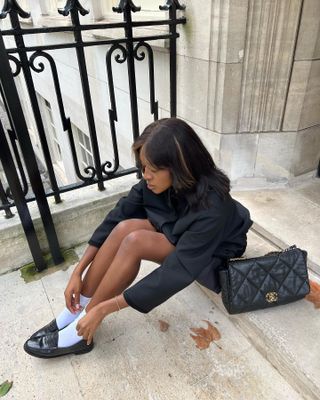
(26, 59)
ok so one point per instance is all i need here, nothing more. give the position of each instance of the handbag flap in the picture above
(282, 275)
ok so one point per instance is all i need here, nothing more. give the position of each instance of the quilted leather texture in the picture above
(268, 281)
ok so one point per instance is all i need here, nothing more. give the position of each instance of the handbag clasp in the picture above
(271, 297)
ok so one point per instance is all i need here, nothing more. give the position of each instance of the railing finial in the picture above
(170, 3)
(122, 5)
(72, 5)
(13, 6)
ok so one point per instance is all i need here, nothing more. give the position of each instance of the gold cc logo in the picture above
(271, 297)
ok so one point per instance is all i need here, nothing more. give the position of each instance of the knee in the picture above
(123, 228)
(135, 241)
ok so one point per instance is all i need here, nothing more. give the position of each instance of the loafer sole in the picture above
(58, 352)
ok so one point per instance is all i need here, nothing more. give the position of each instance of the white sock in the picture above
(66, 317)
(69, 335)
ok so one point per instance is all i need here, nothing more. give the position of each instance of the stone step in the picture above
(288, 216)
(286, 336)
(75, 218)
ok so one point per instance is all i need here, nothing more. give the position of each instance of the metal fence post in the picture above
(35, 106)
(74, 8)
(127, 7)
(13, 104)
(173, 6)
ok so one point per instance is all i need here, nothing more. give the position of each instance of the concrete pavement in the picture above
(267, 354)
(133, 358)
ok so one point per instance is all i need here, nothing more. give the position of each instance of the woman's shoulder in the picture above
(215, 207)
(217, 200)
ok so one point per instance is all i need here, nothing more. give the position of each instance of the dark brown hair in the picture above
(172, 144)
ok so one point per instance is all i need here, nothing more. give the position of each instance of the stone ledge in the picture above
(75, 219)
(287, 217)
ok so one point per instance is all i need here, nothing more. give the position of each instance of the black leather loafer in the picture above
(47, 346)
(49, 328)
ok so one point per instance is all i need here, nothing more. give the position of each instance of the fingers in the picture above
(68, 299)
(86, 334)
(72, 294)
(71, 304)
(79, 329)
(72, 301)
(82, 329)
(77, 301)
(89, 339)
(85, 331)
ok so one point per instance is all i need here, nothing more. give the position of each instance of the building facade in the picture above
(248, 82)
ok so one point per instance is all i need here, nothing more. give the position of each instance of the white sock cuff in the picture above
(84, 300)
(69, 335)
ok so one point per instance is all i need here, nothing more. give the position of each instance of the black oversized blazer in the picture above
(203, 239)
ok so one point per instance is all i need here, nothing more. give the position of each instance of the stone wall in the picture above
(255, 86)
(248, 82)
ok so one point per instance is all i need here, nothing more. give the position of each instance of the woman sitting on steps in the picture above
(180, 215)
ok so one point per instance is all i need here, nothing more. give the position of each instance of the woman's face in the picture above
(158, 180)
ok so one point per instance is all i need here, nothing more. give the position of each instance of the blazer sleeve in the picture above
(194, 252)
(127, 207)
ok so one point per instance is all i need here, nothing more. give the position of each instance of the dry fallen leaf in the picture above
(203, 337)
(314, 295)
(163, 325)
(201, 342)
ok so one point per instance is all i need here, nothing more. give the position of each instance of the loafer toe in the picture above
(47, 347)
(49, 328)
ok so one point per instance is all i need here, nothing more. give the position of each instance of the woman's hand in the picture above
(72, 293)
(87, 325)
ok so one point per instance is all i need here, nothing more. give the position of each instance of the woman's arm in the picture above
(87, 325)
(127, 207)
(194, 252)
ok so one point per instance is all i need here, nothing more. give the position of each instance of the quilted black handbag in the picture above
(262, 282)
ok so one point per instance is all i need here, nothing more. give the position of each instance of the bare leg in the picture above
(138, 245)
(107, 252)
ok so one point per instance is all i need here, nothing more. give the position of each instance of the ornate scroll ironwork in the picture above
(129, 49)
(120, 59)
(10, 6)
(65, 121)
(17, 64)
(141, 57)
